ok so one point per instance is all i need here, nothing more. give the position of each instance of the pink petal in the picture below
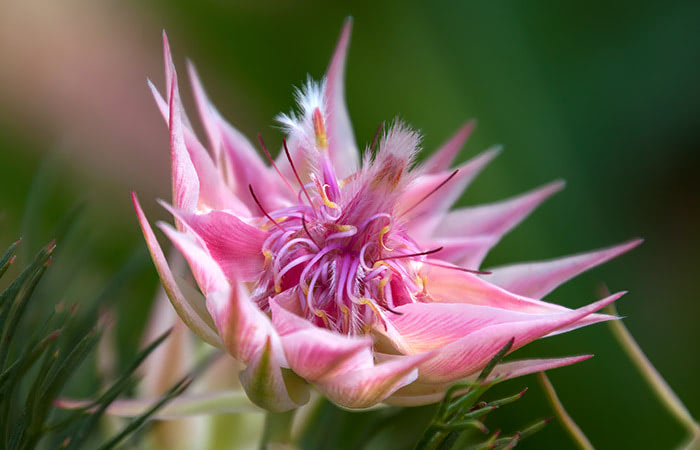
(214, 193)
(418, 393)
(243, 165)
(315, 353)
(249, 336)
(341, 138)
(495, 219)
(480, 339)
(244, 329)
(466, 252)
(518, 368)
(233, 244)
(368, 386)
(447, 285)
(195, 316)
(537, 279)
(184, 176)
(442, 159)
(207, 273)
(442, 197)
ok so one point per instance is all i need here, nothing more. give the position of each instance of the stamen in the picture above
(431, 192)
(250, 186)
(303, 224)
(272, 161)
(294, 169)
(412, 255)
(320, 130)
(384, 231)
(322, 193)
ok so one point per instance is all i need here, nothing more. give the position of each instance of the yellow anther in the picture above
(384, 231)
(346, 315)
(372, 306)
(325, 198)
(320, 130)
(278, 288)
(268, 258)
(382, 284)
(424, 282)
(379, 263)
(323, 316)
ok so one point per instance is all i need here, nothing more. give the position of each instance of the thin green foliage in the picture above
(460, 414)
(37, 363)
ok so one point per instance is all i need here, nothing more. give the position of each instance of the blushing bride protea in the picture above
(354, 277)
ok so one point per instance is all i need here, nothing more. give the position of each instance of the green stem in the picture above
(564, 417)
(277, 432)
(659, 386)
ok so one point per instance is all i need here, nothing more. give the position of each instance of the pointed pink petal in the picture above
(495, 219)
(195, 316)
(233, 244)
(442, 159)
(447, 285)
(442, 197)
(214, 193)
(184, 176)
(244, 329)
(429, 326)
(514, 369)
(466, 252)
(418, 393)
(207, 112)
(170, 77)
(479, 343)
(315, 353)
(250, 337)
(368, 386)
(537, 279)
(207, 273)
(341, 138)
(242, 163)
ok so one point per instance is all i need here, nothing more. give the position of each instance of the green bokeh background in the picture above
(603, 95)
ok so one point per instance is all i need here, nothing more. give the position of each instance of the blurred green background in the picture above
(602, 94)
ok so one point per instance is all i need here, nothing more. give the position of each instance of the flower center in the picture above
(340, 273)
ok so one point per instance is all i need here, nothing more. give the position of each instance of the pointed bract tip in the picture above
(521, 393)
(555, 186)
(547, 420)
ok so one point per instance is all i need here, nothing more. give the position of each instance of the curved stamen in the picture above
(250, 187)
(295, 262)
(294, 169)
(452, 175)
(272, 161)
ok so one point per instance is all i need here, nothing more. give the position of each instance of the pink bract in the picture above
(350, 275)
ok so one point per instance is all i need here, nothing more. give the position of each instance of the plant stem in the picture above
(564, 417)
(660, 387)
(277, 433)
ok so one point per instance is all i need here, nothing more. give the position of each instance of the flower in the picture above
(355, 278)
